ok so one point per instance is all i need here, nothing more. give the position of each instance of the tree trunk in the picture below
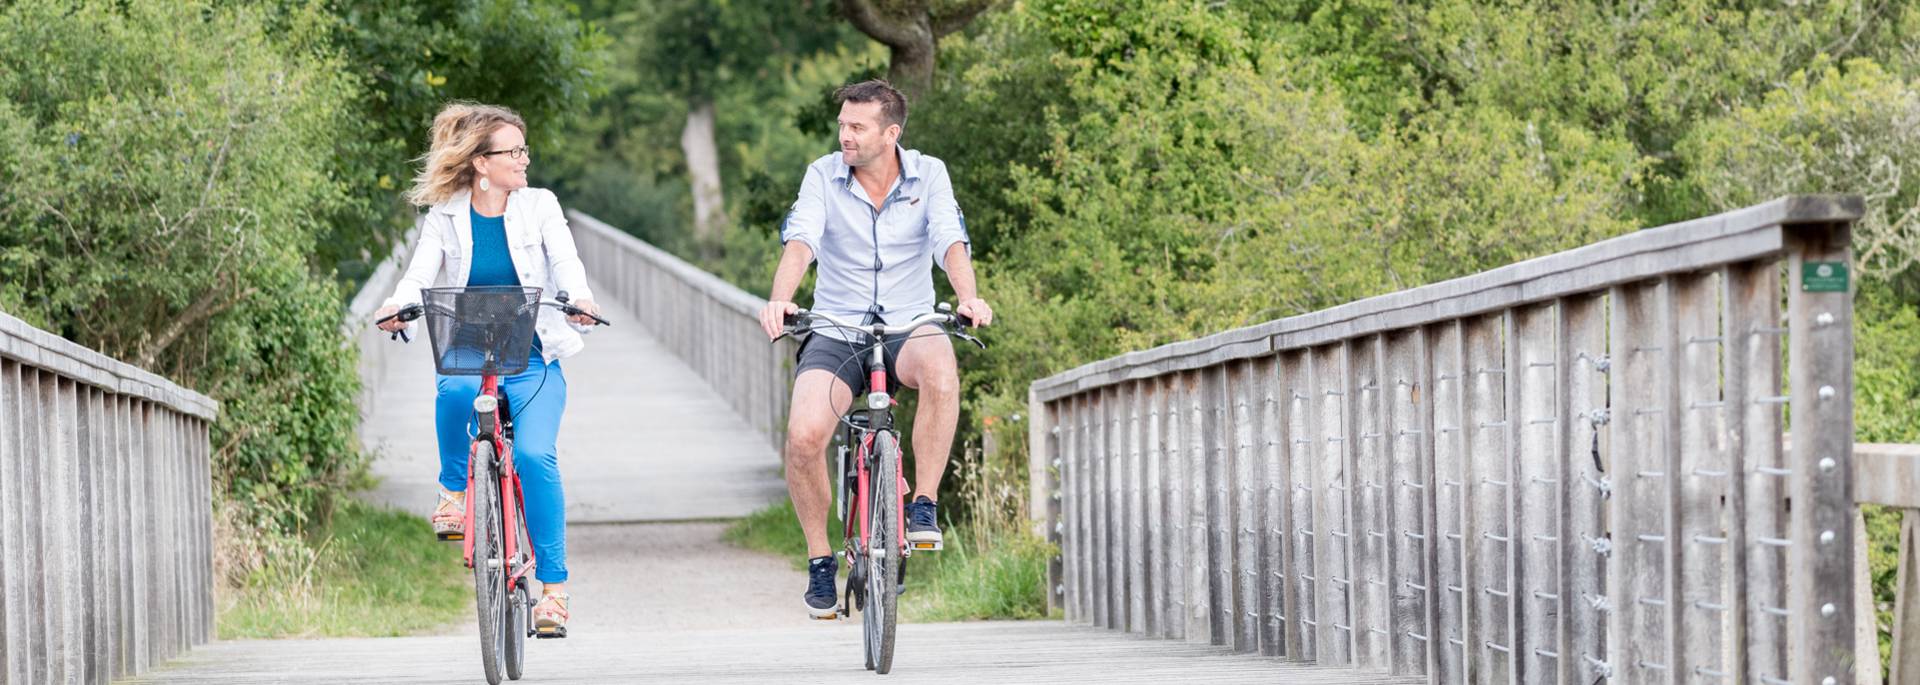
(912, 29)
(703, 167)
(911, 65)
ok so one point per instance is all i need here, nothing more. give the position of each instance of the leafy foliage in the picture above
(410, 58)
(163, 195)
(181, 180)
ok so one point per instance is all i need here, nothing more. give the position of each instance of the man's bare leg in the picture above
(810, 425)
(927, 365)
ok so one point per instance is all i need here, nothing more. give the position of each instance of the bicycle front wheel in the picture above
(883, 554)
(490, 595)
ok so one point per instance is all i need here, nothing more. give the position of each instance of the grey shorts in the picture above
(846, 361)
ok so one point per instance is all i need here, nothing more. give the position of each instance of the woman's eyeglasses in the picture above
(513, 153)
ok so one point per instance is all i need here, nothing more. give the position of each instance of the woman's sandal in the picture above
(550, 615)
(449, 518)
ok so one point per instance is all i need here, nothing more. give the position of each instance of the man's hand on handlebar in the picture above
(977, 310)
(773, 318)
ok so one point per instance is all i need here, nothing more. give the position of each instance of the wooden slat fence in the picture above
(1564, 470)
(106, 527)
(711, 324)
(1889, 476)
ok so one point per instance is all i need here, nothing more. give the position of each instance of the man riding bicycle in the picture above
(873, 215)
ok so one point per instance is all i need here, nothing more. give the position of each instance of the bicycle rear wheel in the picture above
(519, 604)
(490, 596)
(883, 558)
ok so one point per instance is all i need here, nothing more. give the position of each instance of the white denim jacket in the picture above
(539, 241)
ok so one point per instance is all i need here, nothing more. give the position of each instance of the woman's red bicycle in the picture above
(487, 331)
(872, 487)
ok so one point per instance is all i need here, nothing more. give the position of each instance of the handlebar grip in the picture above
(963, 321)
(794, 319)
(407, 313)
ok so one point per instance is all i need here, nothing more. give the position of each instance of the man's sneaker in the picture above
(923, 524)
(822, 600)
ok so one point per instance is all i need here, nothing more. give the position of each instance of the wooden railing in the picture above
(1889, 476)
(709, 323)
(1561, 470)
(105, 513)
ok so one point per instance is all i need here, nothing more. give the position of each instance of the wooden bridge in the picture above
(1570, 469)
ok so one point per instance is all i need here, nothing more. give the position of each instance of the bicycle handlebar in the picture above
(805, 321)
(417, 310)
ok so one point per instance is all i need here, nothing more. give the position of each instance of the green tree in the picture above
(912, 30)
(167, 175)
(410, 58)
(701, 50)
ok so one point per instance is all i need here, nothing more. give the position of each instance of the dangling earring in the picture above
(484, 185)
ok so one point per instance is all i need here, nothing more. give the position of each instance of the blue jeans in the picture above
(536, 424)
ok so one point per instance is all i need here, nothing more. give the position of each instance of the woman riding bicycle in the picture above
(484, 226)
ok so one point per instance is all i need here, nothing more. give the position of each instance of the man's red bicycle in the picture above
(487, 331)
(872, 485)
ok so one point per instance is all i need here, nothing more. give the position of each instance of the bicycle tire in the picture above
(520, 607)
(518, 625)
(490, 595)
(883, 516)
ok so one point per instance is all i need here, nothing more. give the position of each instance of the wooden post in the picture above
(1447, 368)
(1295, 477)
(1820, 376)
(1906, 607)
(1274, 630)
(1368, 508)
(1533, 424)
(1582, 368)
(1409, 581)
(1486, 537)
(1219, 508)
(1245, 522)
(1199, 601)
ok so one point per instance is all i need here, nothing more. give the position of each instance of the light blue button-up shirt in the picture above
(875, 258)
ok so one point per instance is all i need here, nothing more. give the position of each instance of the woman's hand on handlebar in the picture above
(386, 321)
(773, 317)
(589, 309)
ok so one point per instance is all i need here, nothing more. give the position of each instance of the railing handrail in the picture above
(1887, 474)
(711, 325)
(713, 286)
(1516, 474)
(1729, 237)
(106, 481)
(45, 350)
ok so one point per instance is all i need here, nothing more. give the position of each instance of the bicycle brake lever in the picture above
(976, 341)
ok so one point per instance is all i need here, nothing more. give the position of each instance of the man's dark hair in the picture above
(893, 105)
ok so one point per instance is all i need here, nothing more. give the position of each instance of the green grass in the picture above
(371, 573)
(985, 572)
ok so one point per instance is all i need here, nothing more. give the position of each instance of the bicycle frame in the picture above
(879, 417)
(492, 429)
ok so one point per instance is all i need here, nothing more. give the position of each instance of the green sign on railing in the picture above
(1823, 277)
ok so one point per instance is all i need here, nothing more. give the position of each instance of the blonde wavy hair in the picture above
(461, 131)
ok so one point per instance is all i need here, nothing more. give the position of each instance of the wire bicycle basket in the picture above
(481, 330)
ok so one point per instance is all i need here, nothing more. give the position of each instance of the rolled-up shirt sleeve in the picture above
(807, 220)
(945, 224)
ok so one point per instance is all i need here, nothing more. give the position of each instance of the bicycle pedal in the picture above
(830, 617)
(450, 537)
(554, 633)
(926, 546)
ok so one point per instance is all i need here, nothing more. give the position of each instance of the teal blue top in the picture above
(492, 263)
